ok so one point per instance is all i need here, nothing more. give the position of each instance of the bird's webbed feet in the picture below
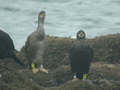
(42, 69)
(34, 69)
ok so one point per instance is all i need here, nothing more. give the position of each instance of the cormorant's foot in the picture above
(35, 70)
(84, 76)
(74, 79)
(43, 70)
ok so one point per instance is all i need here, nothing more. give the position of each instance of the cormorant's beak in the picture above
(81, 35)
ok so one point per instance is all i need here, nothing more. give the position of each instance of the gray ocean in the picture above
(63, 17)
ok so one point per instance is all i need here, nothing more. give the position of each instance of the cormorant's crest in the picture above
(81, 35)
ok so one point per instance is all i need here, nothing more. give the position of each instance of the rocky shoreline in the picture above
(104, 72)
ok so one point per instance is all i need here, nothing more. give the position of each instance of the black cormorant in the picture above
(81, 55)
(36, 44)
(7, 49)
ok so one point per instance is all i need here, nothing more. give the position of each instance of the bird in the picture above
(7, 48)
(36, 44)
(81, 55)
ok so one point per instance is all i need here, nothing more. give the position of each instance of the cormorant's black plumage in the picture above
(81, 55)
(7, 47)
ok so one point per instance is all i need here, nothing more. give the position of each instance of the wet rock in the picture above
(104, 72)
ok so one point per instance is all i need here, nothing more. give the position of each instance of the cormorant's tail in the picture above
(12, 54)
(18, 61)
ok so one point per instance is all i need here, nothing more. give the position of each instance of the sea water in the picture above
(63, 17)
